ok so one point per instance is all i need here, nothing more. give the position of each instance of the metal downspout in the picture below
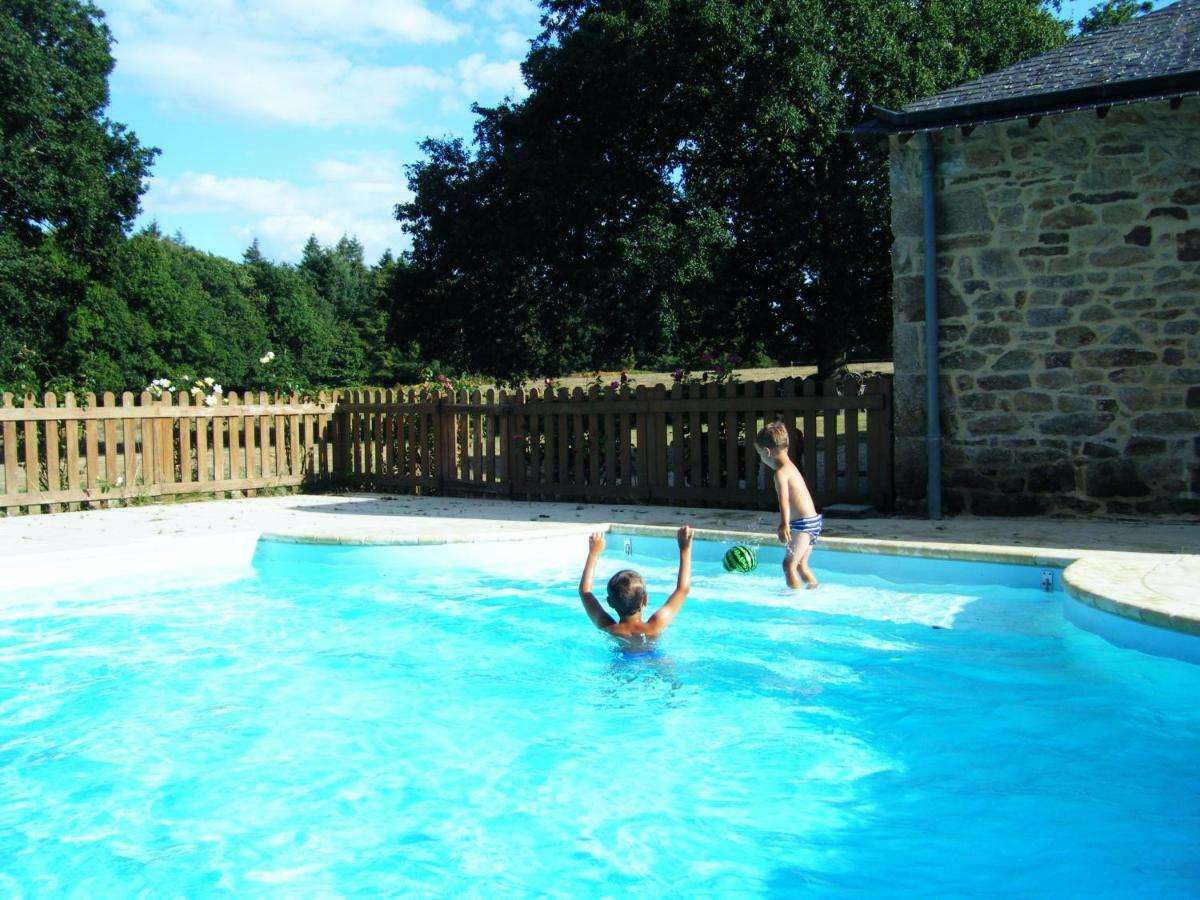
(933, 436)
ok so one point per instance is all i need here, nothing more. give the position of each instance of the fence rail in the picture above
(692, 444)
(99, 452)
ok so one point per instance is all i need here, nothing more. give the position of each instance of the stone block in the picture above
(1145, 446)
(1056, 380)
(1057, 360)
(1076, 424)
(1168, 423)
(1060, 282)
(1187, 245)
(1187, 196)
(1068, 217)
(1101, 197)
(963, 212)
(1120, 257)
(1114, 478)
(1093, 450)
(1168, 212)
(1053, 237)
(1075, 336)
(1014, 360)
(1074, 506)
(1136, 398)
(968, 360)
(990, 300)
(1121, 213)
(1043, 251)
(977, 402)
(1134, 304)
(1004, 382)
(950, 301)
(1121, 149)
(1119, 358)
(951, 334)
(1192, 401)
(1077, 297)
(1095, 313)
(1139, 235)
(1067, 403)
(1030, 401)
(989, 336)
(1042, 318)
(908, 216)
(1052, 479)
(1073, 262)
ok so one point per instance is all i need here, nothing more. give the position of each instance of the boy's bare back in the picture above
(799, 522)
(629, 599)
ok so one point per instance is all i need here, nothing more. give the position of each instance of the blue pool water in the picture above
(445, 721)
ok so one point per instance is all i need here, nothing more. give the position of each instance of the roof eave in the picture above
(1162, 87)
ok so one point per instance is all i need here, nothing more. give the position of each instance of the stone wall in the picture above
(1069, 315)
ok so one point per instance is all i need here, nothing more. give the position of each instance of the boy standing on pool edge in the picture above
(627, 595)
(799, 522)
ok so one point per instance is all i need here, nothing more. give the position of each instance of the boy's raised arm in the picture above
(683, 583)
(591, 606)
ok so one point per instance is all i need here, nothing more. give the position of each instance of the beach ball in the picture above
(740, 559)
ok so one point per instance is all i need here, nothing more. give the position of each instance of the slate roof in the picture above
(1154, 56)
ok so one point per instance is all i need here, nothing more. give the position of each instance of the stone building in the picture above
(1065, 194)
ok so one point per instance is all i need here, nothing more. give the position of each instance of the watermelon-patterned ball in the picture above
(740, 559)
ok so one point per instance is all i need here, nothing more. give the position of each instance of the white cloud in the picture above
(345, 196)
(489, 81)
(327, 20)
(506, 9)
(304, 62)
(299, 85)
(512, 41)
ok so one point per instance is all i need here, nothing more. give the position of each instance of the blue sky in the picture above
(278, 119)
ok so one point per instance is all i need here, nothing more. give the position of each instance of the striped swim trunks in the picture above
(810, 525)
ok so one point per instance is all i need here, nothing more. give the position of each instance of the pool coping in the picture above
(1087, 576)
(1152, 582)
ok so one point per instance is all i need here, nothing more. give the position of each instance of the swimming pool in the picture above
(444, 720)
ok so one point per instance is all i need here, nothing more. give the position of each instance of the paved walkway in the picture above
(1144, 571)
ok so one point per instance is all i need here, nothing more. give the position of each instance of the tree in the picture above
(679, 180)
(1112, 12)
(64, 167)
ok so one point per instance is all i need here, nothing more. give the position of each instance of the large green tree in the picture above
(64, 166)
(679, 179)
(70, 179)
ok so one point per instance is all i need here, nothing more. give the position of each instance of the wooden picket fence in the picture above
(687, 445)
(690, 445)
(105, 453)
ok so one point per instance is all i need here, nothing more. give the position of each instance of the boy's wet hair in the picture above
(773, 436)
(626, 592)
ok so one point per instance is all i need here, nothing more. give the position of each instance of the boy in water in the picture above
(799, 522)
(627, 595)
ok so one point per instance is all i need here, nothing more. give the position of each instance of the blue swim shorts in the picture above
(810, 525)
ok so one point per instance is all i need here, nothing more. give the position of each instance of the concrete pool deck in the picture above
(1144, 571)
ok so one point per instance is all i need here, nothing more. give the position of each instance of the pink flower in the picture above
(614, 385)
(705, 357)
(677, 374)
(549, 382)
(733, 359)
